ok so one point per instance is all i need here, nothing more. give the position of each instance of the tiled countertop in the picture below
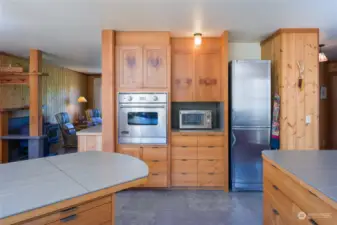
(316, 168)
(36, 183)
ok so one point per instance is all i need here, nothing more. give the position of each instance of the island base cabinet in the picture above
(288, 201)
(95, 212)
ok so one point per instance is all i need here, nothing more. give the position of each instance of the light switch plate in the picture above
(308, 119)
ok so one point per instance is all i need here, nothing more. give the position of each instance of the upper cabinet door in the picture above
(208, 73)
(129, 66)
(155, 67)
(182, 76)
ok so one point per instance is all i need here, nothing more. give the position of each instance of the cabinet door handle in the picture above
(276, 212)
(69, 218)
(313, 222)
(69, 210)
(275, 187)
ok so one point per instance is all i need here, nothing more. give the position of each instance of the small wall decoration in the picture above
(131, 61)
(324, 92)
(155, 62)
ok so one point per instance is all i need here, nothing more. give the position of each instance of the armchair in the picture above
(67, 129)
(94, 116)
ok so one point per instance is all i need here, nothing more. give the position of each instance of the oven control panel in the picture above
(142, 98)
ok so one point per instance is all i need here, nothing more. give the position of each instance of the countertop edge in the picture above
(302, 183)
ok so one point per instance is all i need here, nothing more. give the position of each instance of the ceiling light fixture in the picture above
(321, 56)
(197, 39)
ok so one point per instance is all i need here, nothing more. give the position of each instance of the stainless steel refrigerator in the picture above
(250, 121)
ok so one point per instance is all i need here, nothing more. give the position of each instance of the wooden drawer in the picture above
(284, 206)
(211, 152)
(154, 153)
(156, 166)
(302, 197)
(189, 141)
(211, 166)
(211, 179)
(271, 215)
(94, 216)
(156, 180)
(205, 141)
(135, 152)
(68, 212)
(184, 179)
(184, 166)
(184, 152)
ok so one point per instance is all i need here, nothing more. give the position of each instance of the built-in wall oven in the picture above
(142, 118)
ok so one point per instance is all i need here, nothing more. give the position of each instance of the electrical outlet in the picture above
(308, 119)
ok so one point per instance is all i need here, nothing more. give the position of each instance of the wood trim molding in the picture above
(289, 30)
(108, 91)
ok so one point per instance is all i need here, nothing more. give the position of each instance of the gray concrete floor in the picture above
(188, 207)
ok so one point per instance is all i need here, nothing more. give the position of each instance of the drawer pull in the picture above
(155, 174)
(210, 173)
(183, 173)
(69, 218)
(184, 160)
(184, 146)
(155, 160)
(211, 146)
(313, 194)
(155, 147)
(276, 212)
(275, 187)
(313, 222)
(211, 160)
(273, 165)
(69, 210)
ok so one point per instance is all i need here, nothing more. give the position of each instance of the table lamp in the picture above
(81, 99)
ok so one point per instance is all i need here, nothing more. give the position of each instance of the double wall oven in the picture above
(142, 118)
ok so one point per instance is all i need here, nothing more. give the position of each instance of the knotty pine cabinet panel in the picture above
(183, 76)
(207, 75)
(184, 179)
(129, 66)
(211, 180)
(155, 67)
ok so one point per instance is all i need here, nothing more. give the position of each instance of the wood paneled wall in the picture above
(286, 48)
(90, 91)
(60, 90)
(329, 108)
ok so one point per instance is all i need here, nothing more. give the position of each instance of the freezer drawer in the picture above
(246, 160)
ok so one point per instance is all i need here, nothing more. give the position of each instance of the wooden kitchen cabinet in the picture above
(183, 76)
(130, 66)
(207, 75)
(141, 67)
(131, 151)
(155, 67)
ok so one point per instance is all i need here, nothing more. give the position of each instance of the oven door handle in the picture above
(142, 106)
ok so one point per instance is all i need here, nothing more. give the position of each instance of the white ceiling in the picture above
(69, 30)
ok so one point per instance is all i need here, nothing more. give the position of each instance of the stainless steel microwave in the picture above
(195, 119)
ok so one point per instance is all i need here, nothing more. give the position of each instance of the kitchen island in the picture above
(300, 187)
(90, 139)
(75, 188)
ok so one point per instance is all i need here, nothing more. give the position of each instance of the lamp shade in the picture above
(82, 99)
(321, 56)
(197, 39)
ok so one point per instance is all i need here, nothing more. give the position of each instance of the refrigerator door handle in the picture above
(234, 139)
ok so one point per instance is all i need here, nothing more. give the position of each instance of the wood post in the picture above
(35, 98)
(3, 132)
(224, 93)
(109, 135)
